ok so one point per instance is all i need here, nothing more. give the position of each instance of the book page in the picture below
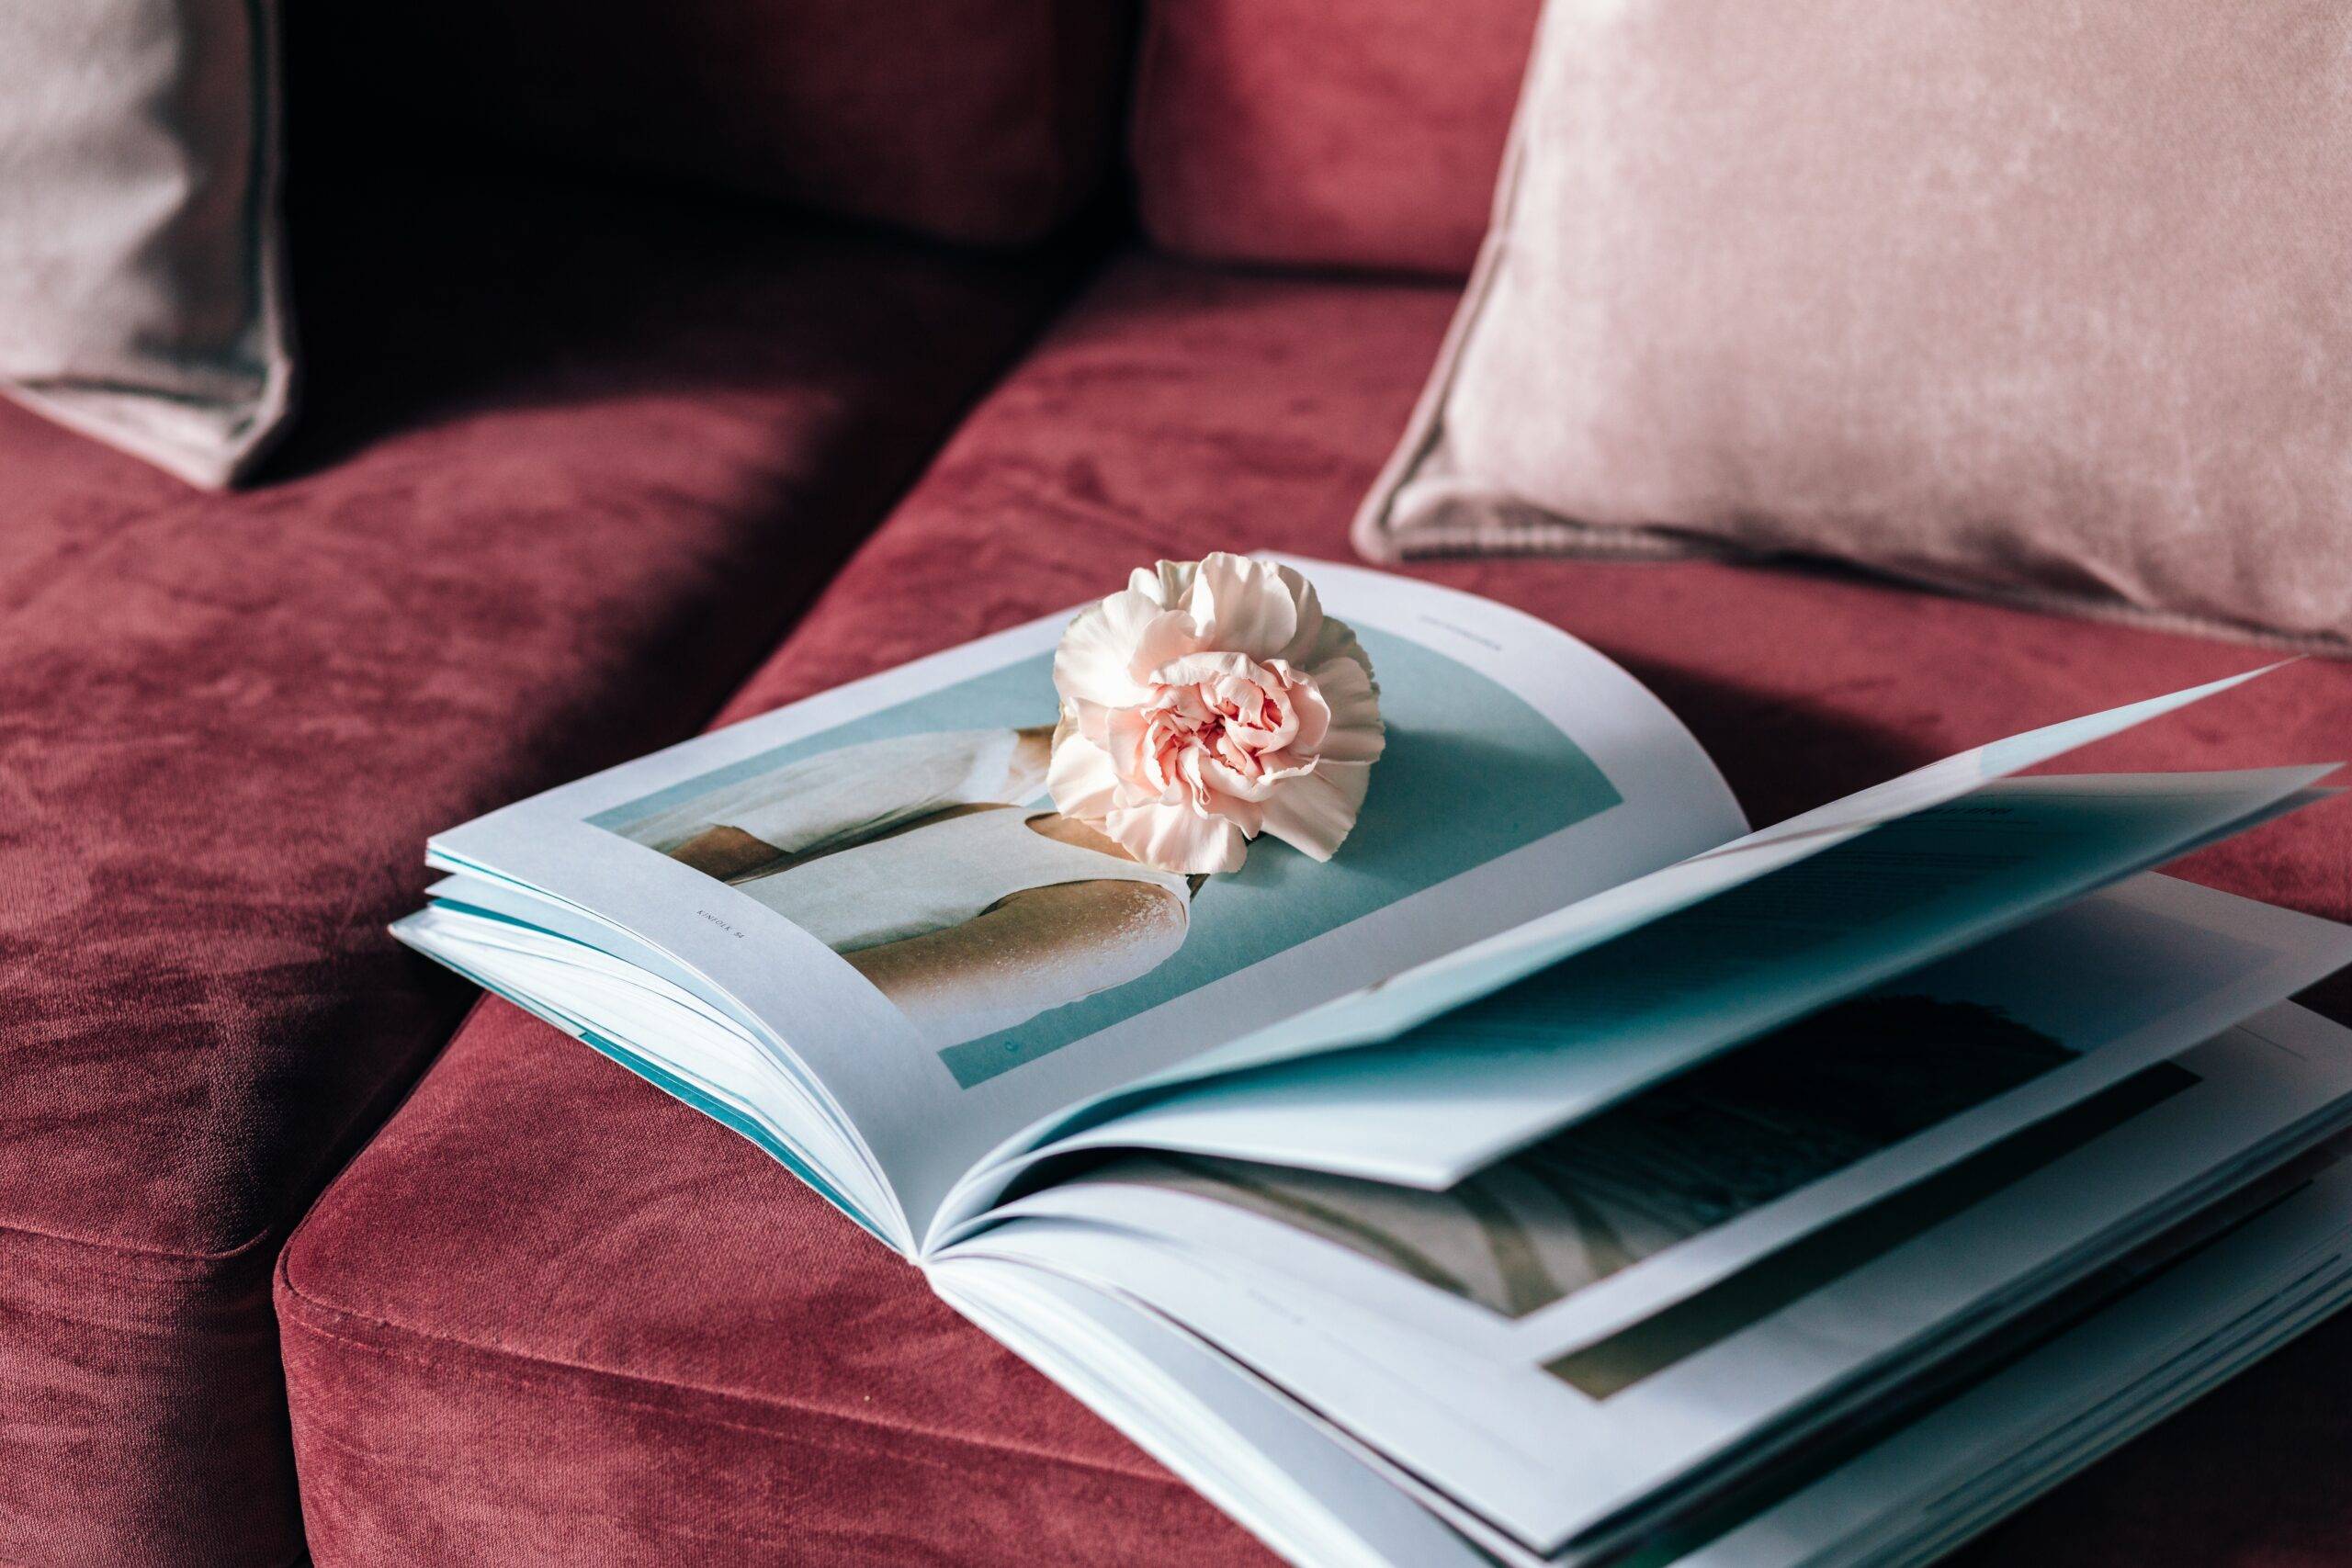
(1929, 1483)
(1259, 1457)
(1437, 1339)
(1460, 1089)
(1712, 1170)
(840, 871)
(2172, 1336)
(1478, 969)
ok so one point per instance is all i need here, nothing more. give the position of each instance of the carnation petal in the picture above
(1093, 660)
(1313, 714)
(1334, 640)
(1091, 719)
(1315, 812)
(1167, 636)
(1172, 839)
(1355, 733)
(1236, 799)
(1166, 582)
(1281, 765)
(1237, 794)
(1079, 777)
(1308, 608)
(1244, 605)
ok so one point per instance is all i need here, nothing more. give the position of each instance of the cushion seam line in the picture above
(867, 1424)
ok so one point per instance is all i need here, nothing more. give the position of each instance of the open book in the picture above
(1563, 1171)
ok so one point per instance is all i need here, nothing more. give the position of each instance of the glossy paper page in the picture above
(1462, 1089)
(1561, 1439)
(1521, 769)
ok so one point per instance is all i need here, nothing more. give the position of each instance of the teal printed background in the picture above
(1471, 774)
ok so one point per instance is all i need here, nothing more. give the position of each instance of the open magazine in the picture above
(1564, 1172)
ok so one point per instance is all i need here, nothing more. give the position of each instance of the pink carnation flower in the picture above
(1211, 702)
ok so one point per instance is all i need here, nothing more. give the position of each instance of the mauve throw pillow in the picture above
(2051, 301)
(142, 296)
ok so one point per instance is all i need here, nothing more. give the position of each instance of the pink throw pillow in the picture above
(2052, 302)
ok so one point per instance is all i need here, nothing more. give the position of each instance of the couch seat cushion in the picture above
(551, 1315)
(576, 460)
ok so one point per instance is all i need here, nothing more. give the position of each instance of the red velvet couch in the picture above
(578, 452)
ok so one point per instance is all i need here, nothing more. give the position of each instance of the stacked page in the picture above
(1561, 1173)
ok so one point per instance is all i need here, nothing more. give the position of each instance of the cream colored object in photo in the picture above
(141, 294)
(936, 877)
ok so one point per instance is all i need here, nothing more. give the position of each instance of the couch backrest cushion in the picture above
(1308, 133)
(978, 122)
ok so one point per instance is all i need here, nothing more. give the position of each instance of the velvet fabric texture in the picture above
(548, 1319)
(142, 300)
(985, 122)
(2044, 302)
(551, 1316)
(1302, 133)
(577, 461)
